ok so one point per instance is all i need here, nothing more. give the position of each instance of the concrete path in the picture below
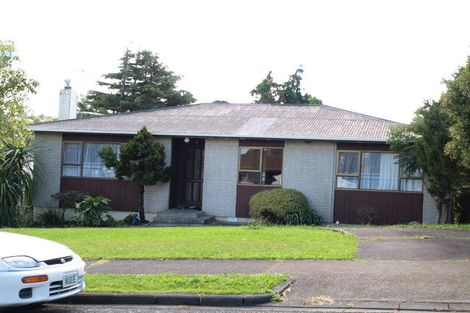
(397, 266)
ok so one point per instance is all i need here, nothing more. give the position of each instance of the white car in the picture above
(34, 270)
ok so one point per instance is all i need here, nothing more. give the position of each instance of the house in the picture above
(222, 154)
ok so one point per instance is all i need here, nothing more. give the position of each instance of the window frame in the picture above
(82, 148)
(260, 171)
(404, 177)
(357, 175)
(399, 176)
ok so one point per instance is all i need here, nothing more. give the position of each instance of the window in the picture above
(374, 171)
(72, 159)
(260, 166)
(411, 181)
(348, 170)
(93, 165)
(83, 160)
(379, 171)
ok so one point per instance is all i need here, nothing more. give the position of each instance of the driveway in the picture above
(412, 244)
(393, 267)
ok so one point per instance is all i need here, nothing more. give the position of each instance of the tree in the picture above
(15, 88)
(16, 178)
(41, 118)
(420, 146)
(289, 92)
(142, 159)
(456, 101)
(141, 83)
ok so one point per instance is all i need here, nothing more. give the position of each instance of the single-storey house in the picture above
(221, 154)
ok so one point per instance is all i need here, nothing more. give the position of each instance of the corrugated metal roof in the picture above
(270, 121)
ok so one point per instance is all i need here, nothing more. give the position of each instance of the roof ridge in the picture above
(119, 114)
(358, 113)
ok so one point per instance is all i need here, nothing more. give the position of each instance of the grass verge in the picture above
(228, 284)
(434, 226)
(224, 242)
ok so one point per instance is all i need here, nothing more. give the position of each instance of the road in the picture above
(56, 308)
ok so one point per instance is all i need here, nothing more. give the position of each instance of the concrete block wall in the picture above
(47, 169)
(220, 177)
(430, 212)
(157, 198)
(310, 169)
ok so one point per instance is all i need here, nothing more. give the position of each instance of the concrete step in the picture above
(182, 216)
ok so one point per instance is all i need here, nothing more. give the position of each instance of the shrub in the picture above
(67, 199)
(282, 206)
(90, 210)
(51, 217)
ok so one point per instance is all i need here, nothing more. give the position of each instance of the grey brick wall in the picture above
(310, 169)
(47, 169)
(430, 213)
(220, 177)
(157, 198)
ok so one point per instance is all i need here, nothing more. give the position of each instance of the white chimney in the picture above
(67, 102)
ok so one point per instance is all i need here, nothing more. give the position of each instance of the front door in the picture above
(187, 163)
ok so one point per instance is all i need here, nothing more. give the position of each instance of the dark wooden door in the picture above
(187, 173)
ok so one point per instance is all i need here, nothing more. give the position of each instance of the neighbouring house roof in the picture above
(262, 121)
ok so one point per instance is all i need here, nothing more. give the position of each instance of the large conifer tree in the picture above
(141, 83)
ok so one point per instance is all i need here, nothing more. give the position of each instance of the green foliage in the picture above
(51, 218)
(67, 199)
(142, 159)
(282, 206)
(41, 118)
(16, 180)
(289, 92)
(456, 101)
(90, 210)
(142, 82)
(14, 90)
(420, 145)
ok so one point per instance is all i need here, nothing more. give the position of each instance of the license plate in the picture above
(69, 279)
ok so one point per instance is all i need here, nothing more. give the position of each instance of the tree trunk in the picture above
(141, 204)
(439, 209)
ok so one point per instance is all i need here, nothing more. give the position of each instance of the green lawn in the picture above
(277, 242)
(177, 283)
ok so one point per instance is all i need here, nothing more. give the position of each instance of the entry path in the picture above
(393, 266)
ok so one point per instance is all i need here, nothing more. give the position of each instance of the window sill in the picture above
(379, 190)
(259, 185)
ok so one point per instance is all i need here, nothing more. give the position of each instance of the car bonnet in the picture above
(39, 249)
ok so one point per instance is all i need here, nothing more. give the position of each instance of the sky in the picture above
(378, 57)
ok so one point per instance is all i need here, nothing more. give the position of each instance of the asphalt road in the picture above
(54, 308)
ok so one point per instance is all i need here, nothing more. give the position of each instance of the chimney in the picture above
(67, 102)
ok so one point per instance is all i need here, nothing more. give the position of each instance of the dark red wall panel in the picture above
(362, 146)
(96, 137)
(244, 193)
(123, 194)
(377, 207)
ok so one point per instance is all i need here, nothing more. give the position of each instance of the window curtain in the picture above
(379, 171)
(93, 165)
(348, 163)
(72, 153)
(411, 185)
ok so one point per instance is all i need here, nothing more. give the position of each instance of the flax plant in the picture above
(16, 180)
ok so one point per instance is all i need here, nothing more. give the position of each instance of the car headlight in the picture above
(21, 262)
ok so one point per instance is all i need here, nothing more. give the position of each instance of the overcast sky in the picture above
(381, 58)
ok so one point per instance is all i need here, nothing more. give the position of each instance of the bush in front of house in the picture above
(282, 206)
(90, 211)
